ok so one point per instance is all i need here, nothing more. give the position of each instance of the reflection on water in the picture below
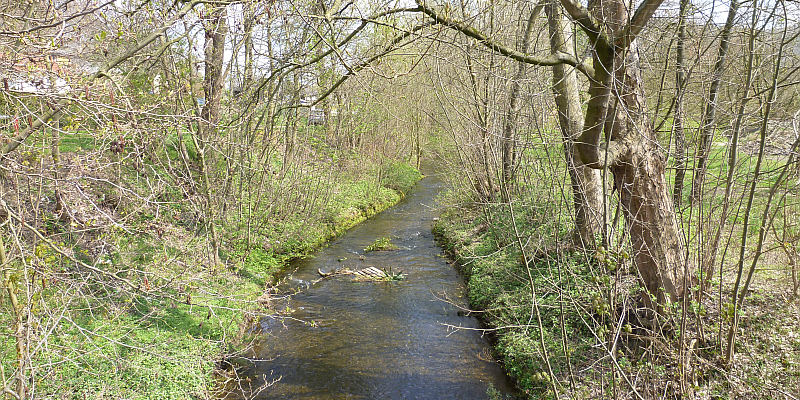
(378, 340)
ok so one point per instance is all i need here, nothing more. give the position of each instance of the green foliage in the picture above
(355, 201)
(400, 176)
(392, 276)
(381, 244)
(113, 343)
(499, 282)
(260, 266)
(493, 394)
(156, 328)
(136, 357)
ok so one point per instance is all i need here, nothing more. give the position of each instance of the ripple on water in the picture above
(378, 340)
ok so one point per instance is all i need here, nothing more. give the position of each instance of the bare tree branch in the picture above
(470, 31)
(102, 72)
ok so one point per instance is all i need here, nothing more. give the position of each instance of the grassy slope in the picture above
(164, 338)
(579, 297)
(498, 283)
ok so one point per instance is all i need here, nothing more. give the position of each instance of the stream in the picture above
(378, 340)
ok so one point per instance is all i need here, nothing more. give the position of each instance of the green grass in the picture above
(82, 141)
(111, 342)
(77, 143)
(381, 244)
(163, 338)
(399, 176)
(129, 356)
(584, 292)
(715, 183)
(499, 283)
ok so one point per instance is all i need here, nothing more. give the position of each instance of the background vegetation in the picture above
(161, 161)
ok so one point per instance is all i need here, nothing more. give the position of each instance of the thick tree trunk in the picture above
(639, 177)
(656, 239)
(635, 159)
(585, 182)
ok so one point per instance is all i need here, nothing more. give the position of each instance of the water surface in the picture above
(379, 340)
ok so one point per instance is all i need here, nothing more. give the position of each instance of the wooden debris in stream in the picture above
(366, 274)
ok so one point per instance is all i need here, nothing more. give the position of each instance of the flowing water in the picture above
(379, 340)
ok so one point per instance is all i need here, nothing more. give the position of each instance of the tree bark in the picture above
(678, 132)
(585, 182)
(634, 157)
(215, 34)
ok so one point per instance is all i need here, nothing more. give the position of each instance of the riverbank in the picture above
(479, 239)
(128, 302)
(564, 323)
(549, 309)
(341, 337)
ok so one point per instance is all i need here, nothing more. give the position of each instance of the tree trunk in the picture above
(678, 132)
(710, 256)
(631, 148)
(249, 23)
(586, 186)
(290, 129)
(710, 117)
(509, 137)
(634, 157)
(484, 183)
(215, 34)
(656, 239)
(639, 176)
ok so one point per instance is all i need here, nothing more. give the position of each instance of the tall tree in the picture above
(617, 107)
(710, 115)
(586, 183)
(512, 115)
(216, 30)
(677, 126)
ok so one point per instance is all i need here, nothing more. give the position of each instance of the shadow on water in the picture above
(379, 340)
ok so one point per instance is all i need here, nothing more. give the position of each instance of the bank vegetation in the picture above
(622, 183)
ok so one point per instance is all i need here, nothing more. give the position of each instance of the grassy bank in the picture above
(482, 242)
(565, 322)
(119, 297)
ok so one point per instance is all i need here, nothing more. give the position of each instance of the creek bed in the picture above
(379, 340)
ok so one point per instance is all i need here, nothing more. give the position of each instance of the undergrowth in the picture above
(500, 285)
(569, 321)
(135, 308)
